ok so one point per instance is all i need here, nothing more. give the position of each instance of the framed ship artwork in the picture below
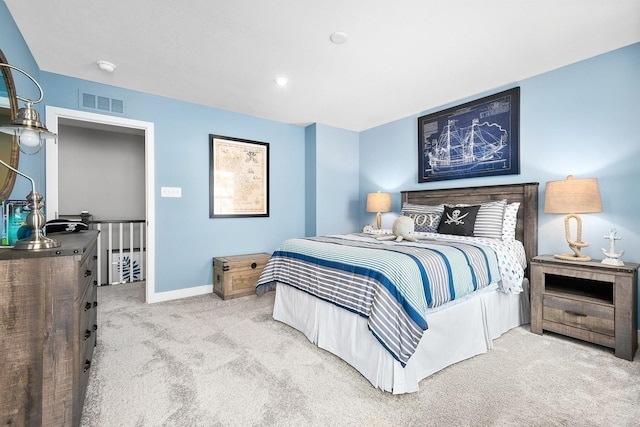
(475, 139)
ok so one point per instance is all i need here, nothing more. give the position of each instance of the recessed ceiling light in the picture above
(339, 37)
(106, 66)
(281, 81)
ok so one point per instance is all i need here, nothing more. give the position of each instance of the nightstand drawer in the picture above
(597, 318)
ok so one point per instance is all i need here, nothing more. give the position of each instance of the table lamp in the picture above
(379, 202)
(572, 197)
(29, 131)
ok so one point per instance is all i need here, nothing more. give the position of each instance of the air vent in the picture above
(90, 101)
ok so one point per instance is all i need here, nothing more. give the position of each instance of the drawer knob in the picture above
(87, 334)
(575, 313)
(95, 327)
(253, 265)
(87, 306)
(87, 365)
(87, 273)
(95, 257)
(95, 303)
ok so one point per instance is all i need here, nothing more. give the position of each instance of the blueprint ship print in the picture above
(480, 145)
(475, 139)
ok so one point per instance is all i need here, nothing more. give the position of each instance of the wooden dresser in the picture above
(48, 328)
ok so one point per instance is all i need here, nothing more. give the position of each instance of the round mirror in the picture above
(9, 150)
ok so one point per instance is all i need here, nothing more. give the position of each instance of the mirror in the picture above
(9, 150)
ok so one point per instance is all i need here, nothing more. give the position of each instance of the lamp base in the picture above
(570, 257)
(35, 242)
(574, 245)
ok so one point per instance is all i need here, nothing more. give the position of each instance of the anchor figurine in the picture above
(612, 258)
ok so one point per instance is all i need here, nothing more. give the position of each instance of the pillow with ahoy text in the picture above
(458, 220)
(424, 221)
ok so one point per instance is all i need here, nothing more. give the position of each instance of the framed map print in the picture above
(239, 178)
(478, 138)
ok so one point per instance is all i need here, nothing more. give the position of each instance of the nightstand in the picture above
(590, 301)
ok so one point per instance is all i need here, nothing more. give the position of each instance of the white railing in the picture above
(123, 260)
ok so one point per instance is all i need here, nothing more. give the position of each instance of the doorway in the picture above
(57, 117)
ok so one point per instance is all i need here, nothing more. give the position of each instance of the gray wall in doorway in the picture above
(101, 172)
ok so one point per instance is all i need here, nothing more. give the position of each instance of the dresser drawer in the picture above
(598, 318)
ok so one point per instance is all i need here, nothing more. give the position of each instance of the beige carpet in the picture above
(202, 361)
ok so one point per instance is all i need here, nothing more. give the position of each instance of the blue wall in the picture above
(581, 119)
(336, 190)
(186, 238)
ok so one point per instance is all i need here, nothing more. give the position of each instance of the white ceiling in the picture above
(402, 57)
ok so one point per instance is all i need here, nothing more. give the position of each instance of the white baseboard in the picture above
(180, 293)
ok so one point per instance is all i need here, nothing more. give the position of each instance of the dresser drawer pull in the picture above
(87, 365)
(253, 265)
(95, 327)
(87, 306)
(574, 313)
(87, 273)
(87, 334)
(95, 304)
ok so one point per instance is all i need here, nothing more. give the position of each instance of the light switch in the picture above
(170, 192)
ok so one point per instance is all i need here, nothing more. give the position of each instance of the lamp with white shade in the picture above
(379, 202)
(572, 197)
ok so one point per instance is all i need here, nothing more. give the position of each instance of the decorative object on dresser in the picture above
(612, 257)
(587, 300)
(572, 197)
(237, 275)
(48, 326)
(378, 202)
(29, 131)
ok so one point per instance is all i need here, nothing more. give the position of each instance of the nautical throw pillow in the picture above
(425, 221)
(458, 220)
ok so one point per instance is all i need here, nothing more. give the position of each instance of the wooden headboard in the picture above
(526, 194)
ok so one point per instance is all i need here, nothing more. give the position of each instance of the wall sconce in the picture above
(572, 197)
(29, 131)
(379, 202)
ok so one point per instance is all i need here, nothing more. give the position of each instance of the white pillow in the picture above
(510, 220)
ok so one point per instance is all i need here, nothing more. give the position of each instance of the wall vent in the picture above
(88, 101)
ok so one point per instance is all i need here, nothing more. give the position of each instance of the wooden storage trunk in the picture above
(237, 276)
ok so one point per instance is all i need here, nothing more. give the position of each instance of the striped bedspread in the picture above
(390, 284)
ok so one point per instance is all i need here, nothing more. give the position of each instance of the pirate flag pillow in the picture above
(458, 220)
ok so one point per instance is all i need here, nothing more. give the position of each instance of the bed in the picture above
(419, 333)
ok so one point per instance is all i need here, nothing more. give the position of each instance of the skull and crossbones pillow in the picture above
(458, 220)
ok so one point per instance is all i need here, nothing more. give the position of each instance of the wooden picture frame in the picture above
(474, 139)
(238, 178)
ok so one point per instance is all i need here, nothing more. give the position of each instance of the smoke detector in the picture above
(106, 66)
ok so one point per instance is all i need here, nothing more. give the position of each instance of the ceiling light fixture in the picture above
(281, 81)
(339, 37)
(106, 66)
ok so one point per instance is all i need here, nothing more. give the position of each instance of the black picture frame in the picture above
(238, 177)
(475, 139)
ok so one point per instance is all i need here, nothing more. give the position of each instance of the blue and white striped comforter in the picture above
(392, 285)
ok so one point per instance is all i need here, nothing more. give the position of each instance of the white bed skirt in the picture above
(457, 331)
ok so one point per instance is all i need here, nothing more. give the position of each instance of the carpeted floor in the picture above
(202, 361)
